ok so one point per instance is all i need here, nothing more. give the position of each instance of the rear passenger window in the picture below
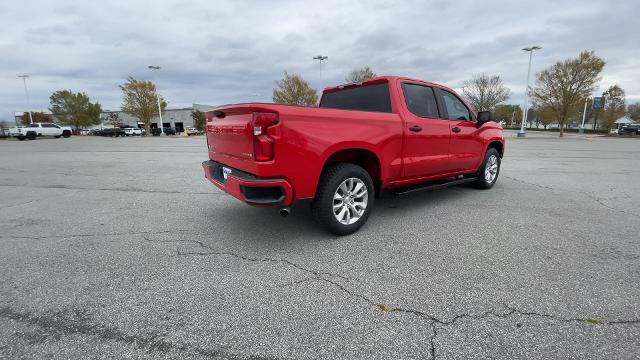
(455, 108)
(420, 100)
(363, 98)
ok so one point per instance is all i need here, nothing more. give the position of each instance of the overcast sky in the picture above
(233, 51)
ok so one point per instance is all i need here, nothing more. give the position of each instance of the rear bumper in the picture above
(247, 188)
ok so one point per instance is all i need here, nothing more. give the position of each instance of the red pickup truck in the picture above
(387, 133)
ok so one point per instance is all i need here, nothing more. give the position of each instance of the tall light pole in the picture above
(320, 58)
(26, 92)
(584, 115)
(156, 68)
(530, 49)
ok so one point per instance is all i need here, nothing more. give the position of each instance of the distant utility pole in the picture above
(155, 68)
(320, 58)
(24, 81)
(522, 133)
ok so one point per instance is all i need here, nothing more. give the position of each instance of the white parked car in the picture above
(192, 131)
(130, 131)
(32, 131)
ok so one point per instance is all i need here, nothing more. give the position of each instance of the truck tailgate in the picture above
(229, 133)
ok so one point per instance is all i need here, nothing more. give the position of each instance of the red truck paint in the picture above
(305, 139)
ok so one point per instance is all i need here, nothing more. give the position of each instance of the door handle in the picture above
(415, 128)
(456, 129)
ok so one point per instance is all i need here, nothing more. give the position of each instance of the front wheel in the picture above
(489, 170)
(344, 198)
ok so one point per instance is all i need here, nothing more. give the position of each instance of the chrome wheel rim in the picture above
(350, 201)
(491, 169)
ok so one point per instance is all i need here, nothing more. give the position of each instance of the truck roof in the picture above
(384, 78)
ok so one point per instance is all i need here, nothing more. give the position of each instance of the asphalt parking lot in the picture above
(119, 248)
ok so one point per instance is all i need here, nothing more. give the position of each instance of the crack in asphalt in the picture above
(434, 322)
(599, 200)
(130, 190)
(67, 236)
(79, 323)
(210, 251)
(528, 183)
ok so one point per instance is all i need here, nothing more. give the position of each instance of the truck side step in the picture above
(432, 185)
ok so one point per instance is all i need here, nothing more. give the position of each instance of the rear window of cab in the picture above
(374, 97)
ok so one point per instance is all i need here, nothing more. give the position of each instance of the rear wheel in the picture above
(344, 198)
(489, 170)
(31, 135)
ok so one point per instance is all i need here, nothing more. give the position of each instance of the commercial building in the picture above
(177, 119)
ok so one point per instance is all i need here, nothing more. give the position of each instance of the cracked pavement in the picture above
(118, 248)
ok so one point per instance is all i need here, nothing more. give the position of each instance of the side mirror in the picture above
(484, 116)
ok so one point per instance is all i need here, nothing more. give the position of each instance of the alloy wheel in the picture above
(350, 201)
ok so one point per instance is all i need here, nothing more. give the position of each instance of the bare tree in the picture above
(358, 76)
(634, 111)
(563, 87)
(507, 113)
(114, 119)
(615, 106)
(484, 92)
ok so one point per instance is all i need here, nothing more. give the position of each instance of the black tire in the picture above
(66, 134)
(323, 204)
(31, 135)
(481, 180)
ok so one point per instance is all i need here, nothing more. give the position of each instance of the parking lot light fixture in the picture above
(522, 132)
(156, 68)
(584, 115)
(26, 92)
(320, 58)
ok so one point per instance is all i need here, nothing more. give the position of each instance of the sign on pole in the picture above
(598, 102)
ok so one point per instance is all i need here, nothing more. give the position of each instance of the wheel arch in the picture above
(363, 157)
(496, 144)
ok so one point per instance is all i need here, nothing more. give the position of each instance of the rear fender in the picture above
(377, 170)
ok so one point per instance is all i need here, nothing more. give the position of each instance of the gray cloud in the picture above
(222, 52)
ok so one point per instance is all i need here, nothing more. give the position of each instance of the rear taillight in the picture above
(263, 143)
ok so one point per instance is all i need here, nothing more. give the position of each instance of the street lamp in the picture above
(155, 68)
(320, 58)
(522, 133)
(24, 81)
(584, 115)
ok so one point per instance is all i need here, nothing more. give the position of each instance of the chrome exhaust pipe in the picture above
(285, 211)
